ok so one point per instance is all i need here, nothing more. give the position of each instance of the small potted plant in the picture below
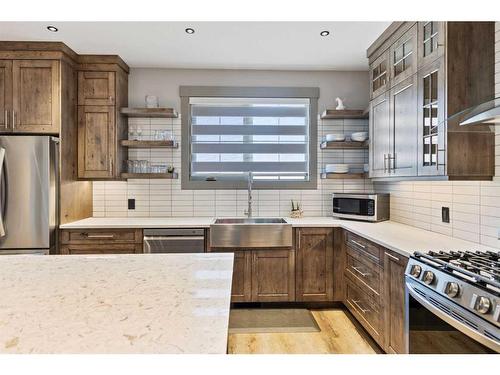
(296, 210)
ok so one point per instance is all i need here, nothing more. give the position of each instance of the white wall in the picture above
(165, 197)
(474, 206)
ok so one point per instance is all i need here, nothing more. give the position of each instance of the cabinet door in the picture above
(96, 88)
(314, 267)
(394, 303)
(379, 75)
(431, 41)
(273, 276)
(431, 116)
(5, 95)
(241, 290)
(403, 158)
(380, 136)
(36, 96)
(403, 56)
(96, 129)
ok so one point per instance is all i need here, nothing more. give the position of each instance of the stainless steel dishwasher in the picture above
(185, 240)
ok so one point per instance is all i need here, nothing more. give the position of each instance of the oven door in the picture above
(438, 326)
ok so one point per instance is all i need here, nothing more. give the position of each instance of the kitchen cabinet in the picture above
(241, 290)
(96, 88)
(394, 302)
(273, 275)
(30, 96)
(96, 148)
(379, 75)
(102, 91)
(5, 95)
(101, 241)
(314, 264)
(437, 69)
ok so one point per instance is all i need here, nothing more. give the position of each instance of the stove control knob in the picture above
(428, 277)
(415, 270)
(483, 305)
(452, 289)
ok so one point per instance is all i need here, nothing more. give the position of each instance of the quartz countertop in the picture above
(401, 238)
(155, 303)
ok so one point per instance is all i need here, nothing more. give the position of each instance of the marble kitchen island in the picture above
(154, 303)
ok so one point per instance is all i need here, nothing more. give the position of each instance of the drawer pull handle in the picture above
(358, 271)
(364, 311)
(98, 235)
(358, 244)
(391, 256)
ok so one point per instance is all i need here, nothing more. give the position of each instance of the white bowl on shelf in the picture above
(336, 168)
(359, 136)
(335, 138)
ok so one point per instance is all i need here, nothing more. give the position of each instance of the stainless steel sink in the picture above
(250, 233)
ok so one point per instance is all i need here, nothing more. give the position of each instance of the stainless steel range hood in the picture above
(484, 113)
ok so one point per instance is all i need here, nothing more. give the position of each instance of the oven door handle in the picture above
(175, 238)
(478, 336)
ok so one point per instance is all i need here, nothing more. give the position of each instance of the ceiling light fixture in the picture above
(52, 29)
(324, 33)
(189, 30)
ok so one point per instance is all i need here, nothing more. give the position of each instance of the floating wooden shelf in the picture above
(343, 176)
(343, 114)
(150, 112)
(170, 176)
(341, 145)
(149, 144)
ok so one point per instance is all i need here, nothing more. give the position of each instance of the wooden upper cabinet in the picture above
(380, 135)
(403, 156)
(394, 302)
(403, 56)
(36, 96)
(96, 141)
(379, 75)
(431, 115)
(5, 95)
(431, 41)
(241, 290)
(314, 264)
(273, 275)
(96, 88)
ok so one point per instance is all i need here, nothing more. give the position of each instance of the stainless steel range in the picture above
(453, 303)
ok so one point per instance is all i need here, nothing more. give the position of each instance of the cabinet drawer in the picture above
(363, 272)
(366, 311)
(86, 236)
(123, 248)
(367, 248)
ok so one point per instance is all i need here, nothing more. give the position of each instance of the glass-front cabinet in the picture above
(431, 127)
(379, 75)
(431, 41)
(403, 55)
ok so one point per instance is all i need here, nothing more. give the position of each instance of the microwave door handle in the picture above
(478, 336)
(3, 191)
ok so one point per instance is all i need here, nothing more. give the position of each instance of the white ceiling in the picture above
(214, 45)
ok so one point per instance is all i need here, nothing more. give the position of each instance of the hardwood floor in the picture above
(340, 334)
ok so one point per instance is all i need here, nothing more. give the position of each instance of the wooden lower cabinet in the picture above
(241, 290)
(273, 275)
(100, 241)
(394, 302)
(314, 266)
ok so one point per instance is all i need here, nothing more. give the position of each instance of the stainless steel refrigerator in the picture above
(28, 194)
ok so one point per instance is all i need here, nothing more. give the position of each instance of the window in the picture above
(237, 131)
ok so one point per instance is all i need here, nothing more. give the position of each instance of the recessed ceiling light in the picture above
(190, 30)
(53, 29)
(324, 33)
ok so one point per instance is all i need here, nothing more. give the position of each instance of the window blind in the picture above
(233, 136)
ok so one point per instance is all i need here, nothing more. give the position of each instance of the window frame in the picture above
(187, 92)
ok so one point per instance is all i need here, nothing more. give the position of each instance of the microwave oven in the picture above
(364, 207)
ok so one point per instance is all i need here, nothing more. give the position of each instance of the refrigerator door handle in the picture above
(3, 191)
